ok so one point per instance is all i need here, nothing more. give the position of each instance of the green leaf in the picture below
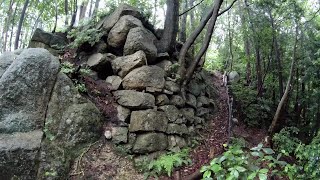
(252, 175)
(263, 176)
(268, 150)
(264, 171)
(215, 168)
(207, 174)
(256, 154)
(241, 169)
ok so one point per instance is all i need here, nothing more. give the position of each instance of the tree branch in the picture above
(227, 9)
(191, 8)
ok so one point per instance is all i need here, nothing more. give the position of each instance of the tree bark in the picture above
(287, 90)
(155, 12)
(183, 23)
(66, 5)
(56, 16)
(96, 6)
(25, 6)
(83, 9)
(193, 37)
(74, 15)
(6, 26)
(205, 44)
(168, 39)
(90, 8)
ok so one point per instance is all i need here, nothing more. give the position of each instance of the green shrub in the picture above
(236, 163)
(166, 163)
(255, 111)
(285, 142)
(67, 67)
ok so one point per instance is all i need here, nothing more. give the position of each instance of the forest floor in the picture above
(101, 161)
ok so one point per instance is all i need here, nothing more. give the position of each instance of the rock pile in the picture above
(155, 117)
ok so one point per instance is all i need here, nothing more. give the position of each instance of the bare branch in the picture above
(191, 8)
(227, 9)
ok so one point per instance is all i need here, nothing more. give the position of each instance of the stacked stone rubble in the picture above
(145, 87)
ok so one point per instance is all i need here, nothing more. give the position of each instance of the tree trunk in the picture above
(287, 90)
(83, 9)
(56, 16)
(12, 25)
(183, 23)
(155, 12)
(258, 71)
(66, 4)
(205, 44)
(74, 15)
(230, 41)
(25, 6)
(90, 8)
(168, 39)
(6, 26)
(193, 37)
(96, 6)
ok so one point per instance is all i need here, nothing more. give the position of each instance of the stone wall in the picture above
(144, 83)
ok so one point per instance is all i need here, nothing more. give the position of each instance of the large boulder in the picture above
(172, 112)
(124, 9)
(140, 38)
(148, 120)
(134, 99)
(25, 89)
(150, 142)
(114, 82)
(72, 122)
(6, 60)
(19, 153)
(118, 34)
(52, 42)
(143, 77)
(123, 65)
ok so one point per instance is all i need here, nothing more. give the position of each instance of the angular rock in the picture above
(176, 142)
(145, 76)
(233, 77)
(123, 113)
(177, 129)
(123, 65)
(163, 56)
(203, 101)
(148, 120)
(167, 92)
(100, 47)
(202, 111)
(98, 61)
(18, 154)
(162, 99)
(119, 135)
(122, 10)
(198, 120)
(188, 113)
(195, 87)
(191, 100)
(118, 34)
(153, 90)
(150, 142)
(54, 43)
(25, 89)
(140, 38)
(114, 81)
(134, 99)
(171, 111)
(165, 65)
(72, 122)
(172, 86)
(177, 101)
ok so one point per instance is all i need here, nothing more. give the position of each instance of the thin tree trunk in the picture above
(25, 6)
(230, 41)
(287, 90)
(66, 5)
(74, 15)
(83, 9)
(6, 26)
(155, 13)
(90, 8)
(205, 44)
(167, 41)
(12, 25)
(56, 16)
(193, 37)
(183, 23)
(96, 6)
